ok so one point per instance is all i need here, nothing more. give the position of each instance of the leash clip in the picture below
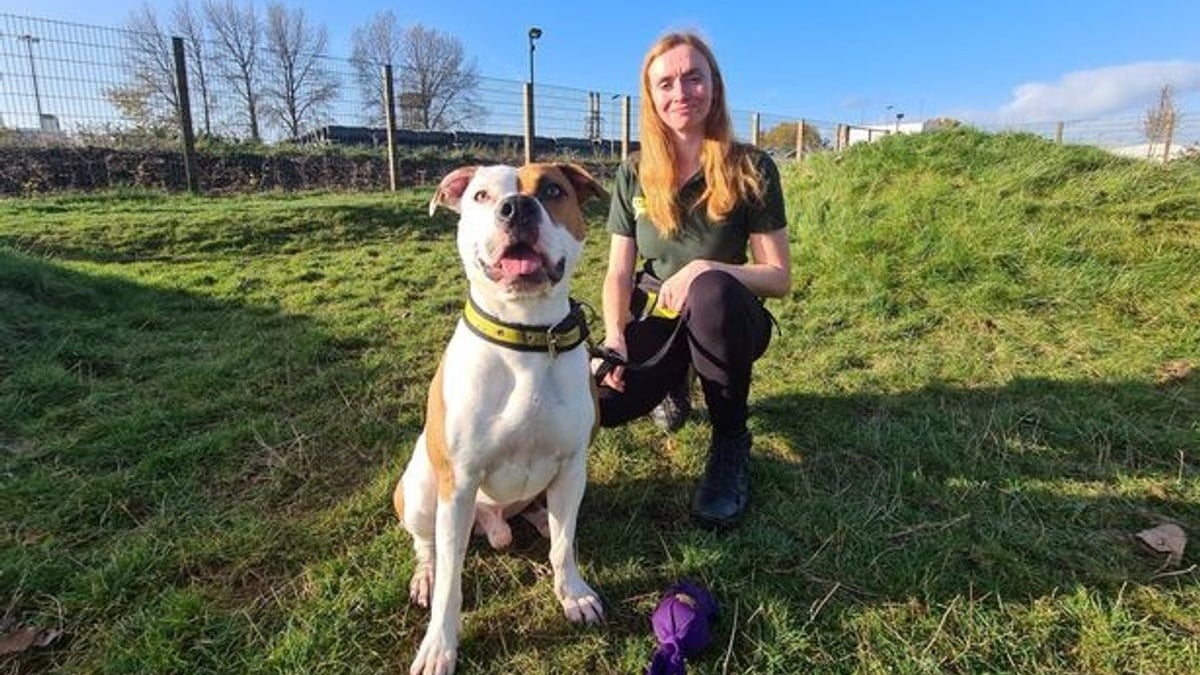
(551, 342)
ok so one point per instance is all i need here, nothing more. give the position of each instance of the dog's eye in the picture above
(480, 196)
(552, 191)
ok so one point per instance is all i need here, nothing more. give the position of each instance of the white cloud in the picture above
(1087, 94)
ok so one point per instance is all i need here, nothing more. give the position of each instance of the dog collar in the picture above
(562, 336)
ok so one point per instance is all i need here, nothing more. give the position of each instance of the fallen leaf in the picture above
(17, 640)
(1167, 538)
(1174, 371)
(46, 637)
(22, 638)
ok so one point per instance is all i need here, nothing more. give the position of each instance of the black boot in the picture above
(675, 407)
(724, 490)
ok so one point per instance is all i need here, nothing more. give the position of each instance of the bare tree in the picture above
(374, 44)
(187, 24)
(149, 100)
(1160, 122)
(298, 85)
(437, 86)
(237, 31)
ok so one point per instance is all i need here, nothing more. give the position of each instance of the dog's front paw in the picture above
(580, 603)
(436, 656)
(420, 587)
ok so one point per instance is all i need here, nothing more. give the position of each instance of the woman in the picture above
(689, 204)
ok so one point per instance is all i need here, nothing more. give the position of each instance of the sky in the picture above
(1014, 61)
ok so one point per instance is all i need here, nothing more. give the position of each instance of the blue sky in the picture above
(1014, 61)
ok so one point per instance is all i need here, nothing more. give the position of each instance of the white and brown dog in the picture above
(511, 410)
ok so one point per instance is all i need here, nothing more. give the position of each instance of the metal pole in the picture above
(528, 123)
(625, 128)
(530, 126)
(29, 40)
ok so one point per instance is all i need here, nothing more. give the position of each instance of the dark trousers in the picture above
(725, 329)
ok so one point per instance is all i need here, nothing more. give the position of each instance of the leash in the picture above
(610, 359)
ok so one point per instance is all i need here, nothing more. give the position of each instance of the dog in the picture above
(512, 409)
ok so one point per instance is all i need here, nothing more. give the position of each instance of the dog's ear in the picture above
(450, 191)
(585, 186)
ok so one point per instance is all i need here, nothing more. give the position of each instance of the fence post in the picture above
(800, 140)
(389, 113)
(1058, 133)
(1170, 136)
(754, 129)
(185, 117)
(625, 127)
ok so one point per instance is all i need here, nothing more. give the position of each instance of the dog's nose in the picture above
(519, 214)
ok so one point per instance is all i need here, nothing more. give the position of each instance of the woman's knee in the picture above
(714, 288)
(716, 298)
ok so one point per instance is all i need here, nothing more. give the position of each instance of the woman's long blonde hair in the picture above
(729, 172)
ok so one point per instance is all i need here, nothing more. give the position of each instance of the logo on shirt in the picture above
(639, 207)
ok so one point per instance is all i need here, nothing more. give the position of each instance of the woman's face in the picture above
(681, 87)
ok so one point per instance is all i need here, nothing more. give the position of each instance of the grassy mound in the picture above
(982, 385)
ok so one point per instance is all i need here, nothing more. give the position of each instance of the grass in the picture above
(204, 404)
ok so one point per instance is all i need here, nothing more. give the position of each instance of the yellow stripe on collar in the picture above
(562, 336)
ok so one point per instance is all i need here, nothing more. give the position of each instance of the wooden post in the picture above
(185, 118)
(528, 123)
(754, 128)
(1170, 136)
(625, 105)
(1058, 133)
(800, 140)
(389, 113)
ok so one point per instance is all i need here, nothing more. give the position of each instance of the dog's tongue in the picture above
(520, 260)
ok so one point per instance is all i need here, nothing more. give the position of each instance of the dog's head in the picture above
(520, 231)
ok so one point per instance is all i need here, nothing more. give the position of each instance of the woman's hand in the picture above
(673, 294)
(615, 379)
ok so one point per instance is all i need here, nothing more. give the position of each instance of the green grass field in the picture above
(981, 389)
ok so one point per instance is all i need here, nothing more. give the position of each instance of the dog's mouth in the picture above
(520, 264)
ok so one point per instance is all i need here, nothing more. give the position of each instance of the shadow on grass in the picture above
(1019, 491)
(159, 442)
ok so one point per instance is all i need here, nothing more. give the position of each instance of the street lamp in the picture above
(534, 33)
(530, 131)
(29, 41)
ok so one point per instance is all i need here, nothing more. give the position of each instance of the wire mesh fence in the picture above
(74, 85)
(1126, 135)
(77, 80)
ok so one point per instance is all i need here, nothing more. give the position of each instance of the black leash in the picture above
(610, 359)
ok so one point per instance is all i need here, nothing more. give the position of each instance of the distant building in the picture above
(860, 133)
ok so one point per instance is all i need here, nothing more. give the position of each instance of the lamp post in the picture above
(29, 41)
(534, 34)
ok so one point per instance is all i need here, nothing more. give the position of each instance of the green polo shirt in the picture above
(722, 241)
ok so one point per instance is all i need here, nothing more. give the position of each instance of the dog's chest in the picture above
(511, 408)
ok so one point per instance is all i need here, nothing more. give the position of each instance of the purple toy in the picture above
(681, 625)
